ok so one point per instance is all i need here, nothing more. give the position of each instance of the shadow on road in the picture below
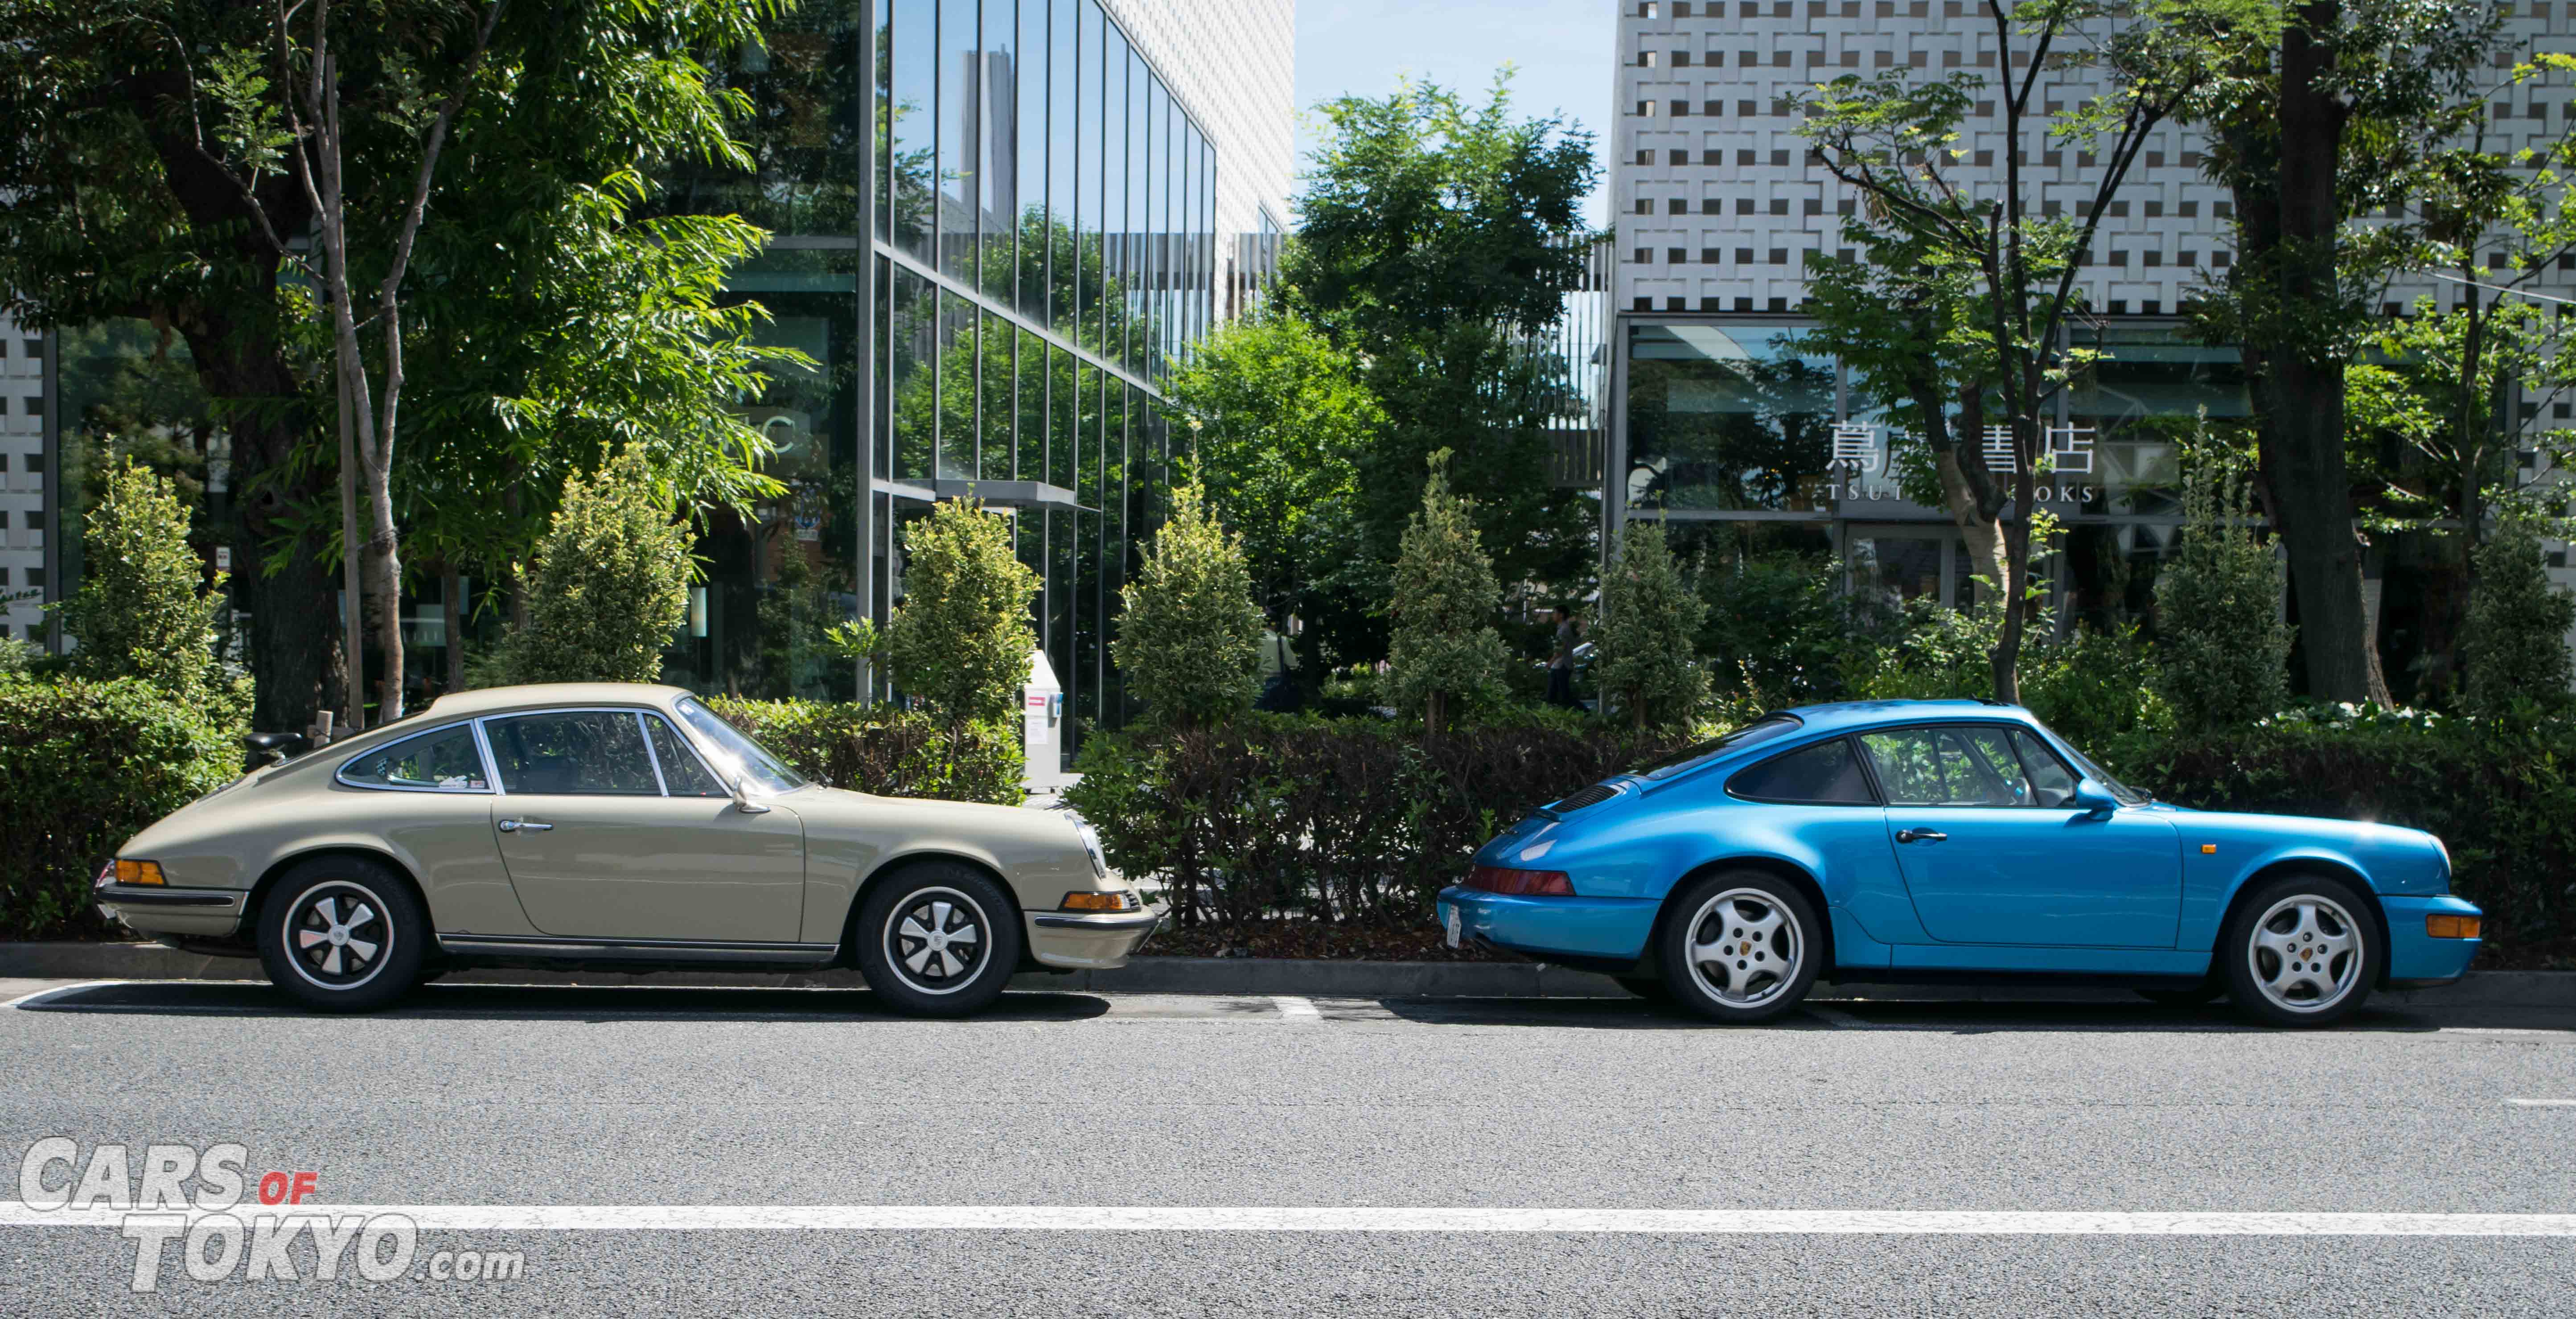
(1955, 1017)
(552, 1002)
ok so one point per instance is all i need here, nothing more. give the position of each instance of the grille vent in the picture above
(1591, 796)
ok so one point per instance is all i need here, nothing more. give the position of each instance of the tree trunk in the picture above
(1984, 534)
(452, 590)
(353, 665)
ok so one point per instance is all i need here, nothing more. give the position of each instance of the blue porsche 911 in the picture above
(1928, 841)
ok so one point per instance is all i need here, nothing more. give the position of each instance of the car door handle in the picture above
(1921, 836)
(514, 826)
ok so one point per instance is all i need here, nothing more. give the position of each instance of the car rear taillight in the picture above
(1524, 883)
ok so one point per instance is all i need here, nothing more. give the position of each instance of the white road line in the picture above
(1123, 1218)
(2542, 1103)
(1296, 1009)
(27, 1000)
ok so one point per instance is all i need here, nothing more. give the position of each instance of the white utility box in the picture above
(1042, 724)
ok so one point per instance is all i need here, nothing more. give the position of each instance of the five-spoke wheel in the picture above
(2302, 951)
(342, 933)
(1740, 946)
(939, 938)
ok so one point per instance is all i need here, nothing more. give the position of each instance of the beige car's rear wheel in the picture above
(343, 934)
(938, 939)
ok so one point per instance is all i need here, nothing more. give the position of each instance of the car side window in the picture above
(573, 753)
(683, 774)
(1948, 767)
(1826, 774)
(2052, 783)
(444, 761)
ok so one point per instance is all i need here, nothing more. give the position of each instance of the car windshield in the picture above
(737, 757)
(2085, 766)
(1692, 757)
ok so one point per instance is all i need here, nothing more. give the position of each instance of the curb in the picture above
(1231, 975)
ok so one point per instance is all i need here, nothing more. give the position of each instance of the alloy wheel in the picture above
(1745, 948)
(2305, 953)
(337, 935)
(936, 939)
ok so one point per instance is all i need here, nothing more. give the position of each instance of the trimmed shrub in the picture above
(960, 641)
(1444, 654)
(2224, 649)
(609, 584)
(143, 609)
(1190, 642)
(2516, 643)
(883, 750)
(1649, 620)
(84, 765)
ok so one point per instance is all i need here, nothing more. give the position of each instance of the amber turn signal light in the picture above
(2451, 927)
(1094, 902)
(138, 872)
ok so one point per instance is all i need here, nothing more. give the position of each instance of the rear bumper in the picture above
(2415, 958)
(1598, 929)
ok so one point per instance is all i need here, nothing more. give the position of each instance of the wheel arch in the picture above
(1780, 868)
(268, 879)
(894, 866)
(2304, 863)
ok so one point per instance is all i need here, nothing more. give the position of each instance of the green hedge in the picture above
(890, 752)
(1355, 819)
(2500, 794)
(85, 765)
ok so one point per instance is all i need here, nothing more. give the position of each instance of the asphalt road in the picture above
(480, 1096)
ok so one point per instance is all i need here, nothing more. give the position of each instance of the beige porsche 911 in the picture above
(610, 826)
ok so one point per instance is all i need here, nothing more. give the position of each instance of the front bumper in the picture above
(2416, 959)
(1609, 929)
(1086, 942)
(156, 909)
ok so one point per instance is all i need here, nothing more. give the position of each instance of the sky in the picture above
(1561, 51)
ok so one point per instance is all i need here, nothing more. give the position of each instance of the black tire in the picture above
(927, 977)
(342, 934)
(1646, 987)
(2200, 995)
(2318, 913)
(1757, 988)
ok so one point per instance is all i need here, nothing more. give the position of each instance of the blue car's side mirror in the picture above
(2090, 795)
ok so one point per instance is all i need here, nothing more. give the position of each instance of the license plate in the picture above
(1457, 929)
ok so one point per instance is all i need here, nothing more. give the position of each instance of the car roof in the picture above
(1844, 716)
(486, 700)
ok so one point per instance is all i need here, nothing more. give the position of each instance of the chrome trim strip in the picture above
(339, 772)
(645, 731)
(1068, 921)
(146, 895)
(660, 950)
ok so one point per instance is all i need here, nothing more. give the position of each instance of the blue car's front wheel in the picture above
(1742, 947)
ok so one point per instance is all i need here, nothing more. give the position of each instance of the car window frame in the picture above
(1869, 766)
(340, 772)
(662, 789)
(1851, 745)
(2074, 777)
(696, 753)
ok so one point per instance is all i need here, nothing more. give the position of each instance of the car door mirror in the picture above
(742, 800)
(2090, 795)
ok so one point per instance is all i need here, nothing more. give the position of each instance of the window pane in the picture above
(682, 772)
(957, 365)
(882, 122)
(1064, 413)
(1062, 132)
(1131, 345)
(2052, 783)
(584, 753)
(445, 760)
(1113, 191)
(1086, 179)
(993, 424)
(915, 69)
(1032, 373)
(1826, 775)
(1995, 771)
(1726, 417)
(914, 313)
(1031, 156)
(735, 753)
(996, 88)
(1947, 767)
(957, 139)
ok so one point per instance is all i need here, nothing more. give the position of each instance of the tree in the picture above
(1189, 643)
(1968, 280)
(2516, 643)
(609, 584)
(1444, 652)
(130, 187)
(1649, 619)
(2223, 648)
(2320, 112)
(1277, 419)
(143, 609)
(1435, 242)
(961, 640)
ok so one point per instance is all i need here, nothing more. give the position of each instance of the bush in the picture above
(960, 640)
(2223, 647)
(1649, 619)
(1444, 654)
(1778, 626)
(143, 610)
(609, 585)
(1190, 642)
(1340, 820)
(883, 750)
(2515, 646)
(2091, 687)
(84, 765)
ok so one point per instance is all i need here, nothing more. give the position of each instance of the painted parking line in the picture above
(42, 996)
(1166, 1219)
(2542, 1103)
(1296, 1009)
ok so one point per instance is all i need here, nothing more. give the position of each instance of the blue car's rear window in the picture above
(1692, 757)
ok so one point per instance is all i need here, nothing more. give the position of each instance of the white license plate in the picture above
(1457, 929)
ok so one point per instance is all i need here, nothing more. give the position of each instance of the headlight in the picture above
(1091, 844)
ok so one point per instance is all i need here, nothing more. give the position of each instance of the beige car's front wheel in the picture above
(938, 939)
(342, 934)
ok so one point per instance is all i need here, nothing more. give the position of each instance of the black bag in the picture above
(1281, 694)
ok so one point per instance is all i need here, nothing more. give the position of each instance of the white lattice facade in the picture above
(23, 462)
(1234, 64)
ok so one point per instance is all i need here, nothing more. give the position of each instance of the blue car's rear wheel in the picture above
(1741, 947)
(2302, 951)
